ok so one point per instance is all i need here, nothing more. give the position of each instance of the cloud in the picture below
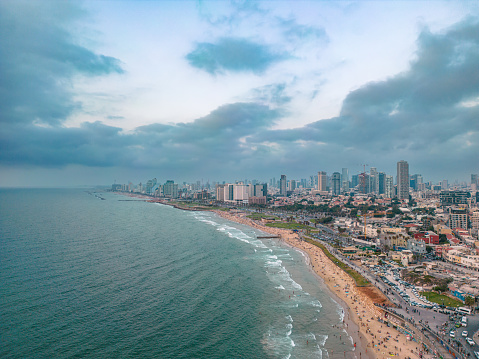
(274, 94)
(39, 57)
(206, 142)
(418, 114)
(233, 54)
(426, 115)
(299, 32)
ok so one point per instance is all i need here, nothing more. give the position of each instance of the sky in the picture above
(97, 92)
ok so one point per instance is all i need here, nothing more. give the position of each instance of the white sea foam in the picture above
(279, 287)
(290, 327)
(341, 314)
(290, 318)
(322, 339)
(316, 303)
(276, 263)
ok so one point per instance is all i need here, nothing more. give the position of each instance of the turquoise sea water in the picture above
(88, 278)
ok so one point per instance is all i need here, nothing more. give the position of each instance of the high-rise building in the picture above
(220, 192)
(475, 223)
(336, 183)
(304, 183)
(402, 180)
(322, 181)
(444, 185)
(293, 185)
(457, 218)
(170, 189)
(363, 183)
(345, 180)
(388, 186)
(282, 186)
(449, 198)
(354, 180)
(373, 180)
(381, 182)
(475, 179)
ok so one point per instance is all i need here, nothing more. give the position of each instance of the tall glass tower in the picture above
(402, 180)
(345, 180)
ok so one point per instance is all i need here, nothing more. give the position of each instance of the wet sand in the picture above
(372, 338)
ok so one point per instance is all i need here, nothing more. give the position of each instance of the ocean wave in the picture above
(290, 327)
(322, 339)
(316, 303)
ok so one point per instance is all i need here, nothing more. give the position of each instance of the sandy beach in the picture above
(372, 338)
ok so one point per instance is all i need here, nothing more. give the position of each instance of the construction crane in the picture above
(369, 215)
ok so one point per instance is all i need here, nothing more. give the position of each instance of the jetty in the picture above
(270, 236)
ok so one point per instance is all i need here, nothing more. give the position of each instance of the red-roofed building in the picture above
(455, 241)
(427, 237)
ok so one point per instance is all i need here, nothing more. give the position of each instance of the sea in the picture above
(91, 274)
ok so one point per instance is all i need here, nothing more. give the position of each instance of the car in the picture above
(476, 354)
(452, 334)
(464, 333)
(470, 341)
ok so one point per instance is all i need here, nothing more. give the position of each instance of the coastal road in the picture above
(419, 316)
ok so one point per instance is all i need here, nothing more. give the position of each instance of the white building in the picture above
(416, 246)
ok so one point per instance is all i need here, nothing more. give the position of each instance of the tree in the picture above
(443, 239)
(469, 301)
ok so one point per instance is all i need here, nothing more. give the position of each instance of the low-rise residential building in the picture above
(407, 257)
(416, 246)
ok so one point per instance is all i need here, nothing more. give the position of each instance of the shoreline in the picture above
(291, 239)
(371, 338)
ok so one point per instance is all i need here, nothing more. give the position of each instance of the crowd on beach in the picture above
(363, 320)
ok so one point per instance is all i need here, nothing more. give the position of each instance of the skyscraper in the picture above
(345, 180)
(388, 186)
(373, 180)
(402, 180)
(170, 189)
(322, 181)
(336, 183)
(282, 186)
(381, 182)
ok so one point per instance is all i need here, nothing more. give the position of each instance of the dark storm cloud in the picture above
(38, 58)
(233, 54)
(216, 138)
(421, 113)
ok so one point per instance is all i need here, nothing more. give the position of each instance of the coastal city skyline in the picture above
(95, 92)
(244, 191)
